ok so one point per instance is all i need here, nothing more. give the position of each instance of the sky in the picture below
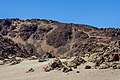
(98, 13)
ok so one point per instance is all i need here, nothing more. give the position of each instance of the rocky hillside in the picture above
(37, 37)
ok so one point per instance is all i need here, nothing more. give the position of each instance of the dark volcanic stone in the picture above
(78, 61)
(7, 22)
(59, 36)
(65, 69)
(9, 48)
(87, 67)
(12, 34)
(26, 31)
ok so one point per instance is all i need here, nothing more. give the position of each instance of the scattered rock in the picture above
(47, 68)
(42, 60)
(71, 65)
(56, 64)
(15, 62)
(87, 67)
(32, 58)
(66, 69)
(19, 58)
(78, 61)
(118, 66)
(116, 57)
(103, 66)
(78, 72)
(48, 55)
(115, 65)
(6, 61)
(30, 70)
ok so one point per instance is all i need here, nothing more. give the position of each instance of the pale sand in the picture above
(18, 72)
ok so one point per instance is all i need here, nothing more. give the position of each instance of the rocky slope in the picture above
(37, 37)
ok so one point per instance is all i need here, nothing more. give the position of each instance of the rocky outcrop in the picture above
(57, 64)
(37, 37)
(60, 36)
(10, 49)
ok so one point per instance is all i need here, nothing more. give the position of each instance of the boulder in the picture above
(71, 65)
(118, 66)
(15, 62)
(56, 64)
(78, 72)
(42, 60)
(66, 69)
(87, 67)
(78, 61)
(47, 68)
(32, 58)
(103, 66)
(30, 70)
(115, 65)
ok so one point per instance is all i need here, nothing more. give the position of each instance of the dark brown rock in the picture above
(87, 67)
(9, 48)
(30, 70)
(78, 72)
(63, 35)
(78, 61)
(66, 69)
(56, 64)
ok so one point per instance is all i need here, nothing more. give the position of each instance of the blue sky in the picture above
(99, 13)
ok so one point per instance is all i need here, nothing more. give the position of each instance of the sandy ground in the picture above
(18, 72)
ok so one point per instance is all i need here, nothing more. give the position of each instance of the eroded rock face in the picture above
(37, 37)
(27, 30)
(8, 49)
(60, 36)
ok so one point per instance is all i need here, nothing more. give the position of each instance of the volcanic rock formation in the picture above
(38, 37)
